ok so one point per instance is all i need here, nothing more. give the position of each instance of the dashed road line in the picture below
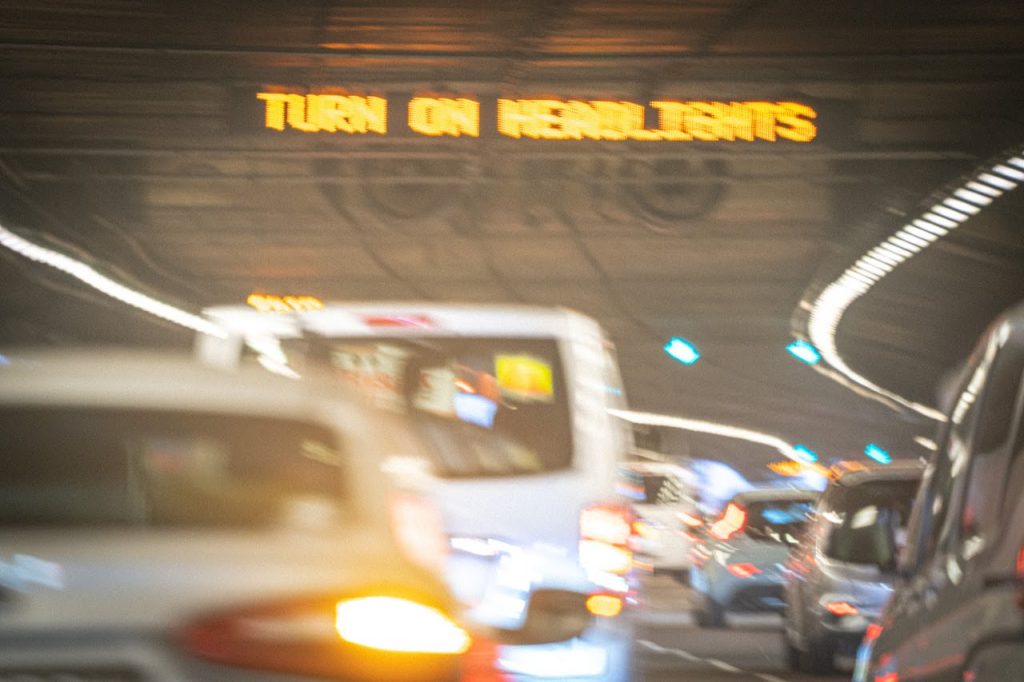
(722, 665)
(714, 662)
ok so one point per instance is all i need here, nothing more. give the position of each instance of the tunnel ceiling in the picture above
(132, 137)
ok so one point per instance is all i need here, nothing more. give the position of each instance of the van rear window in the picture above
(868, 521)
(504, 398)
(85, 466)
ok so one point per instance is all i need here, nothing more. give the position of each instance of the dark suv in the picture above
(957, 612)
(840, 576)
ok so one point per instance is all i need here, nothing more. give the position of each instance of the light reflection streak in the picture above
(828, 309)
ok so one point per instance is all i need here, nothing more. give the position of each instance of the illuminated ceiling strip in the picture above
(105, 285)
(828, 309)
(926, 443)
(701, 426)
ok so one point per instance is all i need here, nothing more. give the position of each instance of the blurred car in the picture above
(745, 552)
(957, 610)
(665, 515)
(163, 521)
(840, 575)
(514, 402)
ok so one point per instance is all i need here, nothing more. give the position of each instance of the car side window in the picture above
(946, 472)
(990, 447)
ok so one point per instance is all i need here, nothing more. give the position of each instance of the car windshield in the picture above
(504, 399)
(868, 521)
(84, 466)
(777, 520)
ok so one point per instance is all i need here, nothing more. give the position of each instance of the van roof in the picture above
(898, 470)
(396, 318)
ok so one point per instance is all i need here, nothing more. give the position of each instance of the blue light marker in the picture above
(804, 352)
(878, 454)
(805, 454)
(682, 350)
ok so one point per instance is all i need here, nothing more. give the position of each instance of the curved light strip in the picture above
(952, 211)
(105, 285)
(701, 426)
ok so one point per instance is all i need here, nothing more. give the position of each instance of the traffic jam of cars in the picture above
(533, 341)
(183, 520)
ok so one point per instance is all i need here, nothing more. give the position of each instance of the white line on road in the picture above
(721, 665)
(647, 644)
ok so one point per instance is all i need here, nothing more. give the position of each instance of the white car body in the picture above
(112, 599)
(665, 514)
(512, 534)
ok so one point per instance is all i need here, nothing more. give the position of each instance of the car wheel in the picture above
(793, 655)
(820, 657)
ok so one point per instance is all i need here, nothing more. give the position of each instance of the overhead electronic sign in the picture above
(273, 303)
(540, 119)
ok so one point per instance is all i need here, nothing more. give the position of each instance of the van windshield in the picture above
(99, 466)
(504, 399)
(868, 521)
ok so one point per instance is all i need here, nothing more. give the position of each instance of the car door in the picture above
(802, 571)
(940, 610)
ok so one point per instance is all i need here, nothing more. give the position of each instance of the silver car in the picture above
(167, 522)
(840, 575)
(739, 568)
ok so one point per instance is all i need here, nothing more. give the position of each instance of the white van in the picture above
(515, 401)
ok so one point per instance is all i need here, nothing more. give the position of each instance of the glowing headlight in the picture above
(394, 624)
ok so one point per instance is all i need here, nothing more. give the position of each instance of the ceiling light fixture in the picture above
(86, 274)
(947, 214)
(804, 352)
(682, 350)
(926, 443)
(878, 453)
(805, 454)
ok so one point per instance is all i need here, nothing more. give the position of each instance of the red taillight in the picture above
(301, 637)
(873, 632)
(605, 605)
(841, 608)
(605, 530)
(732, 521)
(606, 523)
(414, 321)
(480, 664)
(743, 570)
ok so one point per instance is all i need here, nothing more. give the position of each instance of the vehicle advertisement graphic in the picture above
(524, 378)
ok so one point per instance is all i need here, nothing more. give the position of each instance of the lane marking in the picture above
(722, 665)
(653, 646)
(714, 662)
